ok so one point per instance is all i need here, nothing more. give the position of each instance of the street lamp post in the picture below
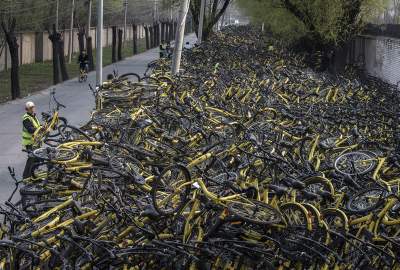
(125, 15)
(201, 21)
(99, 52)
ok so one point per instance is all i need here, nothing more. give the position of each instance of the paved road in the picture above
(79, 103)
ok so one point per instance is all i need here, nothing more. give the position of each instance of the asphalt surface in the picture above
(78, 100)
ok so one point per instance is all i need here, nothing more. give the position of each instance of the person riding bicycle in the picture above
(169, 50)
(83, 61)
(30, 123)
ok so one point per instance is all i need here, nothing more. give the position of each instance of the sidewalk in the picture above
(75, 96)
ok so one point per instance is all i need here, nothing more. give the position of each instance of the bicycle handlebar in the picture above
(58, 104)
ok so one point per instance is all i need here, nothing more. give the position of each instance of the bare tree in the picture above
(216, 10)
(9, 32)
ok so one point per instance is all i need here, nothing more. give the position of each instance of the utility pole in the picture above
(170, 12)
(201, 21)
(99, 49)
(71, 32)
(176, 60)
(229, 12)
(155, 11)
(57, 6)
(126, 12)
(89, 21)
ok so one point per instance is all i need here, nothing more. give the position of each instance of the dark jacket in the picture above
(83, 58)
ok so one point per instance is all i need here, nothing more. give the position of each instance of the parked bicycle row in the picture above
(245, 160)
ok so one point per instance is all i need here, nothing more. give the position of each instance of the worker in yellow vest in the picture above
(30, 124)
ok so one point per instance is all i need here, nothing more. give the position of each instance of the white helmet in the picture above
(29, 105)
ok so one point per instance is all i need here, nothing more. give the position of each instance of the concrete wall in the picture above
(36, 47)
(27, 50)
(380, 57)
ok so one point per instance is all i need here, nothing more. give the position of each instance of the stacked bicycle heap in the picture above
(246, 160)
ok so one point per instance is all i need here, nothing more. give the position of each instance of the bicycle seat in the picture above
(46, 115)
(309, 195)
(150, 212)
(279, 190)
(325, 195)
(293, 183)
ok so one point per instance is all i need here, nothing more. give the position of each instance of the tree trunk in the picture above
(155, 35)
(158, 34)
(175, 24)
(162, 31)
(134, 38)
(166, 31)
(211, 19)
(120, 40)
(16, 91)
(157, 28)
(114, 44)
(63, 67)
(81, 39)
(11, 39)
(54, 38)
(171, 31)
(89, 49)
(151, 36)
(146, 33)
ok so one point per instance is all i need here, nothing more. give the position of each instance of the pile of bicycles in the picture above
(245, 160)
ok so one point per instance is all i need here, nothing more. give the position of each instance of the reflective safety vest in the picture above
(27, 138)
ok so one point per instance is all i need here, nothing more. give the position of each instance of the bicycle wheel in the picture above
(320, 186)
(296, 215)
(149, 80)
(366, 201)
(337, 223)
(355, 163)
(167, 194)
(255, 212)
(131, 74)
(55, 154)
(128, 167)
(44, 170)
(56, 132)
(71, 133)
(33, 190)
(37, 208)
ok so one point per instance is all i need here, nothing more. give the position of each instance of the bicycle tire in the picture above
(148, 79)
(128, 167)
(49, 170)
(295, 215)
(249, 210)
(55, 154)
(123, 76)
(66, 132)
(61, 121)
(32, 190)
(161, 186)
(341, 162)
(354, 204)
